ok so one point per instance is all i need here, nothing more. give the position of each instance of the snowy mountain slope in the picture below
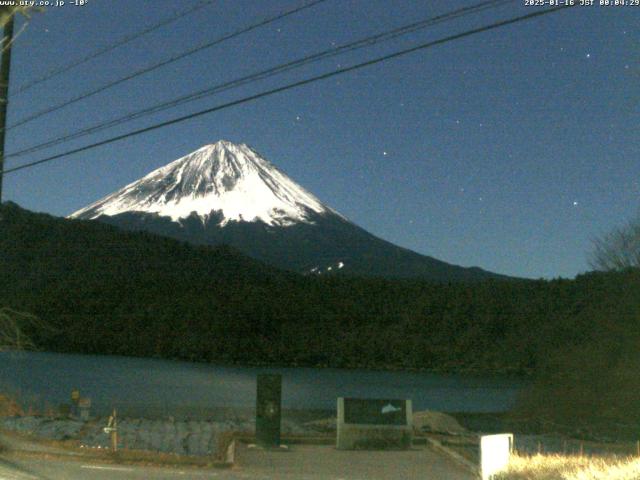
(223, 177)
(226, 193)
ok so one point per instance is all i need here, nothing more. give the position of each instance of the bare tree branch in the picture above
(619, 249)
(6, 12)
(14, 324)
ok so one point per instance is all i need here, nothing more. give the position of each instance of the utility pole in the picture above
(5, 67)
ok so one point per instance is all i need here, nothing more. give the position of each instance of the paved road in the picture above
(302, 462)
(311, 462)
(13, 468)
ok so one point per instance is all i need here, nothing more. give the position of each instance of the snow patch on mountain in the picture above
(318, 270)
(226, 178)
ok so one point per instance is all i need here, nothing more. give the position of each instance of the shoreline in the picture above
(515, 374)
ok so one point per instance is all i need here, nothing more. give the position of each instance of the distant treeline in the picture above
(112, 292)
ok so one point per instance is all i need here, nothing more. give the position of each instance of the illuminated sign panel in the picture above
(495, 452)
(375, 412)
(374, 424)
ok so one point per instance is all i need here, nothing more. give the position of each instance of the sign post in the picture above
(112, 430)
(75, 398)
(84, 404)
(268, 410)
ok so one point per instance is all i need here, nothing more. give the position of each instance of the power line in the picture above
(349, 47)
(290, 86)
(164, 63)
(123, 41)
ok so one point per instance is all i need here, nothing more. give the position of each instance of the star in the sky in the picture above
(588, 55)
(298, 118)
(384, 153)
(576, 203)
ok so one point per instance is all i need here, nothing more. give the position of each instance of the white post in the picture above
(495, 453)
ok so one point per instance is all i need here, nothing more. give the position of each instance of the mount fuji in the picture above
(226, 193)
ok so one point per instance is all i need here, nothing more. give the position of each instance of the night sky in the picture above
(509, 150)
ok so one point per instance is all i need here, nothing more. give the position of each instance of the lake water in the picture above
(152, 387)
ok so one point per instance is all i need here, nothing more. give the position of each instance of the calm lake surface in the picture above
(151, 387)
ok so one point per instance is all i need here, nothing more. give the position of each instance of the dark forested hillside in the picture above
(109, 291)
(319, 245)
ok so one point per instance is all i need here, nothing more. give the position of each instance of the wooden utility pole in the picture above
(5, 67)
(112, 430)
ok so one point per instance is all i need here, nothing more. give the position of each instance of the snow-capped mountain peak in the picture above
(225, 178)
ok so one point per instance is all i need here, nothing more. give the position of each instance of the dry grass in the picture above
(565, 467)
(9, 407)
(14, 404)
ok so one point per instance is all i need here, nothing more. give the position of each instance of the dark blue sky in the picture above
(508, 150)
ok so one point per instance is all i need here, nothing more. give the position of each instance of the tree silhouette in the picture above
(619, 249)
(15, 328)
